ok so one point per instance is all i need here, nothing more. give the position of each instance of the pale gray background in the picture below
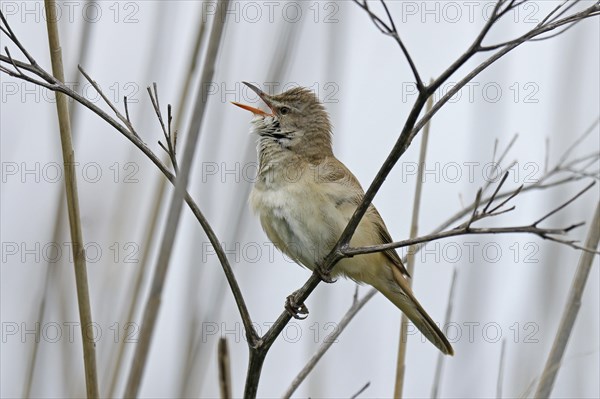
(364, 79)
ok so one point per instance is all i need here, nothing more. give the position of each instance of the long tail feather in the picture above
(403, 298)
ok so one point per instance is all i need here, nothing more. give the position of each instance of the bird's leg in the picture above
(324, 275)
(297, 311)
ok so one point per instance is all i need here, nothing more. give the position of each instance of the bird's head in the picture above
(297, 122)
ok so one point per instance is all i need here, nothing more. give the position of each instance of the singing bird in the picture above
(305, 197)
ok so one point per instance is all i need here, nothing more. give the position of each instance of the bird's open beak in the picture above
(262, 95)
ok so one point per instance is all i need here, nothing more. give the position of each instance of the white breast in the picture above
(299, 217)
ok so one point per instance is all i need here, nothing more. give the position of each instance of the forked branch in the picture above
(551, 234)
(39, 76)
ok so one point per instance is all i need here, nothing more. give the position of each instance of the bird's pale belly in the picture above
(305, 227)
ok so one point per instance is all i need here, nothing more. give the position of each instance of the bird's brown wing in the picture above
(391, 254)
(332, 170)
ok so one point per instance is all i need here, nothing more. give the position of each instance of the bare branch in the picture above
(126, 104)
(495, 193)
(559, 32)
(501, 158)
(549, 26)
(364, 388)
(12, 61)
(49, 82)
(511, 196)
(52, 84)
(390, 30)
(331, 339)
(106, 100)
(170, 148)
(564, 205)
(11, 35)
(474, 215)
(558, 7)
(465, 229)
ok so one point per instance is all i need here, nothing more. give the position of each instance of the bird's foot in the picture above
(297, 311)
(325, 276)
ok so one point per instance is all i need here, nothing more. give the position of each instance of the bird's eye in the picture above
(284, 110)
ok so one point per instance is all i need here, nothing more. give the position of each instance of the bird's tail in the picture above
(401, 295)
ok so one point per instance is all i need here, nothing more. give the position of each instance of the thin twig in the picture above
(474, 215)
(566, 203)
(6, 29)
(558, 7)
(14, 64)
(390, 30)
(106, 100)
(504, 49)
(364, 388)
(167, 133)
(331, 339)
(508, 198)
(533, 34)
(498, 187)
(126, 105)
(545, 233)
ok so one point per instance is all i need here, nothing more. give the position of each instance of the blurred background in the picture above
(510, 288)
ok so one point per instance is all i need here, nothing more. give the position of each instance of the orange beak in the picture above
(262, 95)
(255, 111)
